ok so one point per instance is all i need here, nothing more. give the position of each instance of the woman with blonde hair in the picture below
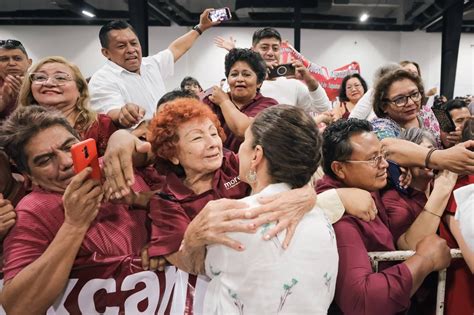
(54, 82)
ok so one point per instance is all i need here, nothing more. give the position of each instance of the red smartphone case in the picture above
(84, 154)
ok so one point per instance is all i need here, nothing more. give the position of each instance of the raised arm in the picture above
(458, 159)
(183, 243)
(313, 97)
(182, 44)
(35, 288)
(124, 151)
(237, 121)
(226, 44)
(359, 290)
(429, 219)
(364, 106)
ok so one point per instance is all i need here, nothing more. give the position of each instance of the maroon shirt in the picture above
(176, 205)
(254, 107)
(459, 298)
(359, 290)
(402, 210)
(115, 232)
(100, 131)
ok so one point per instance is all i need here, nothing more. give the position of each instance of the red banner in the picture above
(329, 80)
(124, 288)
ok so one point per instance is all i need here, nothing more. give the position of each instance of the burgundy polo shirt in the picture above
(176, 205)
(359, 290)
(402, 210)
(115, 232)
(255, 106)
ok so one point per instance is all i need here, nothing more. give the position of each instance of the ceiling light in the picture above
(87, 13)
(364, 17)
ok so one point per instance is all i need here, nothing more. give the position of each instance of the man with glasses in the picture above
(353, 157)
(128, 87)
(14, 63)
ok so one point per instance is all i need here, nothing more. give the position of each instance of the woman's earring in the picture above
(251, 177)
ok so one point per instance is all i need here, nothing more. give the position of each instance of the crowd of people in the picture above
(261, 184)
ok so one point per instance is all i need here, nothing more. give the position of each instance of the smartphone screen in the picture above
(282, 71)
(84, 154)
(222, 14)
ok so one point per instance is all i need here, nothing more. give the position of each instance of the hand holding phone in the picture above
(394, 174)
(281, 71)
(442, 116)
(222, 14)
(84, 154)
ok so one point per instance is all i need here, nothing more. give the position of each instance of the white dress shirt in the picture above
(112, 86)
(296, 93)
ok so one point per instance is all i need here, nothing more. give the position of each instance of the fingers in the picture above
(127, 116)
(405, 177)
(264, 200)
(78, 179)
(15, 82)
(227, 241)
(161, 263)
(115, 176)
(290, 231)
(8, 216)
(141, 112)
(154, 263)
(235, 226)
(265, 218)
(145, 258)
(372, 214)
(6, 225)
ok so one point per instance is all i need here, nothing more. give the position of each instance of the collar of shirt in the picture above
(118, 69)
(176, 189)
(257, 97)
(270, 190)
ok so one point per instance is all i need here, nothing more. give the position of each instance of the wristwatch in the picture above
(197, 29)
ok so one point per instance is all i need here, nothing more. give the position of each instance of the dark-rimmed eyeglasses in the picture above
(10, 42)
(374, 162)
(401, 101)
(56, 79)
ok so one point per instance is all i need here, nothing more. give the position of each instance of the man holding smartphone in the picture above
(286, 89)
(459, 112)
(128, 87)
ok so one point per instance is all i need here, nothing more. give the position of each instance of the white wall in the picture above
(330, 48)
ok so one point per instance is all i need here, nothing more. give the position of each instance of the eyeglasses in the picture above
(374, 162)
(10, 42)
(57, 78)
(403, 100)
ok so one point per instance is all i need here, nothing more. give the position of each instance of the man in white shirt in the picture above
(128, 87)
(309, 95)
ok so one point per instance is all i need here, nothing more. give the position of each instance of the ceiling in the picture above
(385, 15)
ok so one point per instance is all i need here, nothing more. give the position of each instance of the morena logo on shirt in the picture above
(232, 183)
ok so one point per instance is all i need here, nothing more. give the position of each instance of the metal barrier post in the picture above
(402, 255)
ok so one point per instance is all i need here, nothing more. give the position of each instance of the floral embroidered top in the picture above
(265, 278)
(388, 128)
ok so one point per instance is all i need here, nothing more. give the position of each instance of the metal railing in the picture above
(402, 255)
